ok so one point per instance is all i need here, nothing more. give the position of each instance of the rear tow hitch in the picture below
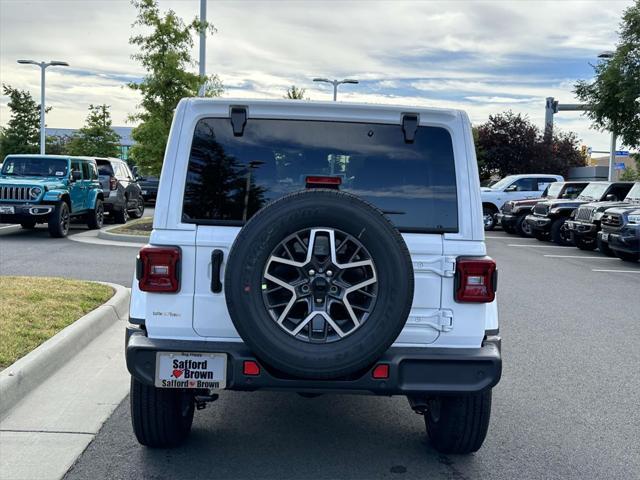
(202, 400)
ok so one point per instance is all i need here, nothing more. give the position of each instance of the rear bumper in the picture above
(412, 371)
(539, 223)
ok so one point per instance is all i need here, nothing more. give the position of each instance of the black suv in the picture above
(620, 234)
(549, 218)
(122, 194)
(585, 222)
(513, 213)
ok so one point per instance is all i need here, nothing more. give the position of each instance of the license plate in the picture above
(144, 192)
(191, 370)
(7, 210)
(604, 237)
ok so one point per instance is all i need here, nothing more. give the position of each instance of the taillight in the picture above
(113, 183)
(476, 280)
(158, 269)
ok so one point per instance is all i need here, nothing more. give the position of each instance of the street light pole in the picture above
(607, 55)
(335, 84)
(43, 66)
(203, 45)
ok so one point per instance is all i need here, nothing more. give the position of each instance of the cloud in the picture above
(480, 56)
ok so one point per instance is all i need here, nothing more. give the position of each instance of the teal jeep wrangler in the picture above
(50, 189)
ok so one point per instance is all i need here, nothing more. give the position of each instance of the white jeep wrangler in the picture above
(313, 248)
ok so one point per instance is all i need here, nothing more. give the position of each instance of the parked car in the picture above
(585, 222)
(149, 186)
(513, 213)
(548, 220)
(513, 187)
(277, 265)
(122, 194)
(620, 233)
(50, 189)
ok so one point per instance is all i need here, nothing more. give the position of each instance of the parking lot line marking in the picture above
(615, 271)
(10, 226)
(535, 246)
(581, 256)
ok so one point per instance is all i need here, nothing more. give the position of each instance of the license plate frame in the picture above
(604, 236)
(7, 210)
(189, 372)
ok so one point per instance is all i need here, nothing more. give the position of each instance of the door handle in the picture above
(216, 264)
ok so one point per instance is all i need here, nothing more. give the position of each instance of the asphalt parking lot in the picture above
(567, 406)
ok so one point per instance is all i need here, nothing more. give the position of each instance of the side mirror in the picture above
(76, 175)
(140, 179)
(611, 197)
(511, 188)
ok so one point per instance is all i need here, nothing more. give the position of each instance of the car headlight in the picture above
(635, 218)
(34, 192)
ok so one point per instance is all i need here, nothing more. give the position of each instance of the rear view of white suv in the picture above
(314, 248)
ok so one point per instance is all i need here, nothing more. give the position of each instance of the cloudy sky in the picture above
(483, 57)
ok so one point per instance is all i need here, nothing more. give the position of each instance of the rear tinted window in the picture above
(230, 178)
(104, 168)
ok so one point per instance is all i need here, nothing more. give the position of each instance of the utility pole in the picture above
(203, 45)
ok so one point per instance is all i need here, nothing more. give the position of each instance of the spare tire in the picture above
(319, 284)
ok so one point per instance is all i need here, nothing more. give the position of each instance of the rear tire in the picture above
(95, 218)
(458, 424)
(560, 234)
(604, 248)
(28, 224)
(121, 216)
(627, 257)
(161, 418)
(59, 220)
(139, 210)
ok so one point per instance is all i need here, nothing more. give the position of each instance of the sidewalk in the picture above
(43, 435)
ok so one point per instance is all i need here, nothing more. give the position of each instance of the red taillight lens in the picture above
(250, 368)
(381, 371)
(323, 182)
(476, 280)
(158, 269)
(113, 183)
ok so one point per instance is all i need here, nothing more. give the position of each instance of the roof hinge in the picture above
(410, 126)
(443, 266)
(238, 120)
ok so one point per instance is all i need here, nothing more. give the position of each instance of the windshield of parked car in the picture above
(35, 167)
(554, 189)
(593, 191)
(504, 183)
(634, 194)
(230, 178)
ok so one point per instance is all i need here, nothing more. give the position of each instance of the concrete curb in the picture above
(120, 237)
(20, 378)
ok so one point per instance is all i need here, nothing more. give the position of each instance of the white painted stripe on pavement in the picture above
(616, 271)
(10, 226)
(581, 256)
(535, 246)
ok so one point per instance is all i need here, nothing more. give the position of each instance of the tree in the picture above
(22, 134)
(96, 138)
(509, 143)
(613, 94)
(58, 144)
(165, 53)
(295, 93)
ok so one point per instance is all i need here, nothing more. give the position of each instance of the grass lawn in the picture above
(33, 309)
(142, 226)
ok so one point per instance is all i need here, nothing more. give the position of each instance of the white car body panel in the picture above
(196, 313)
(498, 197)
